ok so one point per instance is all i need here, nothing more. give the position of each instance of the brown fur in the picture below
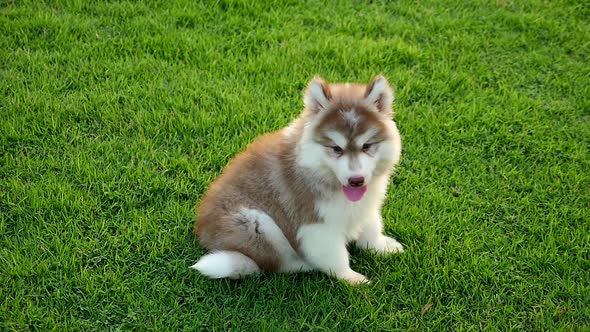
(246, 183)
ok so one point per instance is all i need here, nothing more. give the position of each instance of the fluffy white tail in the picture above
(226, 264)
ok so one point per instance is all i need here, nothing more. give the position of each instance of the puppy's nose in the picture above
(356, 181)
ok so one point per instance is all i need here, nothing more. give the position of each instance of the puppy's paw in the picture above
(390, 246)
(353, 278)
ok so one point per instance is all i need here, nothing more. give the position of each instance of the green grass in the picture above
(115, 117)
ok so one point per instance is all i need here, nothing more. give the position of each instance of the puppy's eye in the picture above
(337, 149)
(366, 147)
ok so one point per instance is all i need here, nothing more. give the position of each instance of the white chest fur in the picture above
(344, 217)
(349, 218)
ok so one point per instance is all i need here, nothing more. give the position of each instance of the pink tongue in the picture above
(354, 193)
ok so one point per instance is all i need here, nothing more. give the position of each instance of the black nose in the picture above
(356, 181)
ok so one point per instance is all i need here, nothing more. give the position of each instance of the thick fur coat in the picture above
(295, 198)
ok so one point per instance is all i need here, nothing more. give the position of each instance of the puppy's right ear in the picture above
(317, 95)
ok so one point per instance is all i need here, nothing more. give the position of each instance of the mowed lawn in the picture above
(115, 117)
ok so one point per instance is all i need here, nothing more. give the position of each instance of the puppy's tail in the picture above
(226, 264)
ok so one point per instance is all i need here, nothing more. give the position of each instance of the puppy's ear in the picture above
(317, 95)
(380, 94)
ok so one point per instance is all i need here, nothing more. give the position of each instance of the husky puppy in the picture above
(295, 198)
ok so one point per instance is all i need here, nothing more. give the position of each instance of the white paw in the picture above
(353, 278)
(390, 246)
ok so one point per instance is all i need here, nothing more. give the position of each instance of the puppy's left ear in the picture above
(380, 94)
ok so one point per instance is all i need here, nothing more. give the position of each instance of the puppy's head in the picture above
(349, 133)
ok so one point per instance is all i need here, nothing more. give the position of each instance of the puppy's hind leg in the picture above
(289, 259)
(226, 264)
(242, 243)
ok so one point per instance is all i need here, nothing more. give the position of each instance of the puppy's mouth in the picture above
(354, 194)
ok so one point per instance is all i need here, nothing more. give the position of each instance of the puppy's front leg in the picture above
(325, 249)
(372, 238)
